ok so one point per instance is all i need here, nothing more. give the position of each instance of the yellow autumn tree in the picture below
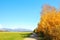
(50, 22)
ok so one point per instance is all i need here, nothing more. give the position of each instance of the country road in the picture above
(33, 36)
(30, 39)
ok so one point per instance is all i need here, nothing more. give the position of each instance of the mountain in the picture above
(15, 30)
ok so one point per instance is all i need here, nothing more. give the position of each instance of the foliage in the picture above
(49, 23)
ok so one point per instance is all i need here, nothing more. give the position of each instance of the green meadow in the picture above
(13, 35)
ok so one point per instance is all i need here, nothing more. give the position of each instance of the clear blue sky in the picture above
(22, 13)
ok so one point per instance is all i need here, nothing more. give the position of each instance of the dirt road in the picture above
(30, 39)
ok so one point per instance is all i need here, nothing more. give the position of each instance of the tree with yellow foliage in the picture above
(49, 24)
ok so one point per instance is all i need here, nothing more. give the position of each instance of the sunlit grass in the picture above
(13, 35)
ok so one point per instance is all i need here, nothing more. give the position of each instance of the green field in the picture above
(13, 35)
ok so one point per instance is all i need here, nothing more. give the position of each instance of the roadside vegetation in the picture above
(49, 24)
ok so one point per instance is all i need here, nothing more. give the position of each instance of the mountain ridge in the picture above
(15, 30)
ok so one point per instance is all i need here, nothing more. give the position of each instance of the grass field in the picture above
(13, 35)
